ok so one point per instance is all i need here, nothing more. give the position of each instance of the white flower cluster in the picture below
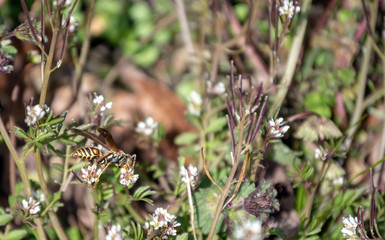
(32, 206)
(161, 219)
(276, 128)
(91, 174)
(127, 176)
(194, 103)
(72, 25)
(192, 173)
(288, 9)
(218, 88)
(100, 105)
(350, 226)
(320, 154)
(35, 113)
(147, 127)
(249, 230)
(115, 233)
(66, 3)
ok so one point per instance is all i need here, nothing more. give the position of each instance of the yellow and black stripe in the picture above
(87, 153)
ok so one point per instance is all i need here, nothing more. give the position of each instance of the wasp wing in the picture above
(92, 137)
(110, 141)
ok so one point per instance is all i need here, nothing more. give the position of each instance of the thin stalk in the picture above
(85, 47)
(226, 189)
(53, 217)
(309, 204)
(362, 78)
(47, 68)
(377, 174)
(190, 202)
(292, 60)
(23, 173)
(65, 171)
(19, 163)
(133, 213)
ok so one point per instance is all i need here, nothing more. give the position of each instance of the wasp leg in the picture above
(96, 163)
(131, 163)
(97, 179)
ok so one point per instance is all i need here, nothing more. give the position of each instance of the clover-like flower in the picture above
(147, 127)
(194, 103)
(91, 174)
(164, 221)
(32, 206)
(35, 113)
(249, 230)
(192, 173)
(114, 233)
(288, 9)
(127, 176)
(350, 226)
(277, 128)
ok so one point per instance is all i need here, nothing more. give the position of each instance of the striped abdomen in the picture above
(88, 153)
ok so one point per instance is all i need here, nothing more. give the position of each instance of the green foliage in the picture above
(15, 234)
(204, 206)
(141, 194)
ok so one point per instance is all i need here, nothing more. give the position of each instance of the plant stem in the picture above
(47, 66)
(292, 60)
(362, 78)
(55, 222)
(23, 173)
(309, 204)
(229, 180)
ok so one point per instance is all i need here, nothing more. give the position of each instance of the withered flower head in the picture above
(261, 202)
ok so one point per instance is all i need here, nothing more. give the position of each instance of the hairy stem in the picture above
(226, 189)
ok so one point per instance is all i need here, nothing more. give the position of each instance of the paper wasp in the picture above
(105, 156)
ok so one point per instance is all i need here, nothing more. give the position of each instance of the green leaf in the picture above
(67, 141)
(216, 125)
(277, 232)
(55, 152)
(57, 166)
(43, 136)
(140, 12)
(56, 196)
(15, 234)
(19, 132)
(74, 233)
(183, 236)
(5, 218)
(141, 194)
(77, 166)
(186, 138)
(147, 56)
(241, 11)
(205, 205)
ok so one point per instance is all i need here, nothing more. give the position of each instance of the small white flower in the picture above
(38, 194)
(109, 105)
(219, 88)
(288, 9)
(147, 127)
(91, 174)
(32, 206)
(276, 128)
(98, 99)
(35, 113)
(194, 103)
(249, 230)
(192, 173)
(350, 226)
(127, 177)
(320, 154)
(162, 219)
(115, 233)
